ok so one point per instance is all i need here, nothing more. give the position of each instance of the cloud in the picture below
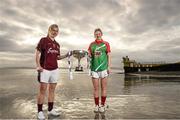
(143, 29)
(158, 14)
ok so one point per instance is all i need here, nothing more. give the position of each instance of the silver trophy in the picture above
(79, 54)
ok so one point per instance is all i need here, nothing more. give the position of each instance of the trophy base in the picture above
(79, 69)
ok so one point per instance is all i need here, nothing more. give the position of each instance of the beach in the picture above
(129, 97)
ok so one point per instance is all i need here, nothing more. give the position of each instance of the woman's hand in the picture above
(69, 53)
(39, 69)
(109, 70)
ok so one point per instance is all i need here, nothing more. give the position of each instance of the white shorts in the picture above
(100, 74)
(49, 76)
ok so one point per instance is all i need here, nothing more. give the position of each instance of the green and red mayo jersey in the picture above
(49, 51)
(99, 58)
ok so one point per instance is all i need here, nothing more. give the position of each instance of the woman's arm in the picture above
(64, 56)
(37, 58)
(109, 63)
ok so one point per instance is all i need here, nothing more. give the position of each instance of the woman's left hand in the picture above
(108, 70)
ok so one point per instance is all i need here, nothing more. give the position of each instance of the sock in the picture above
(103, 100)
(96, 100)
(50, 106)
(40, 107)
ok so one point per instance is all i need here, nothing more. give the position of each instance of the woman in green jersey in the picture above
(99, 51)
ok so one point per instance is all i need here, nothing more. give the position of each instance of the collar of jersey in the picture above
(99, 41)
(50, 39)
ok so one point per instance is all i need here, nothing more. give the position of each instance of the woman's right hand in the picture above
(39, 69)
(70, 53)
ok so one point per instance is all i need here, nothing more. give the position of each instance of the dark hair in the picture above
(98, 29)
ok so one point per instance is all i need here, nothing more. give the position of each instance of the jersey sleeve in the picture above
(41, 45)
(108, 50)
(58, 49)
(89, 49)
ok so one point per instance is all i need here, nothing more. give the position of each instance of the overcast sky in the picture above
(145, 30)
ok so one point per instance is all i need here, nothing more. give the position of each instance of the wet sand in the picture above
(129, 97)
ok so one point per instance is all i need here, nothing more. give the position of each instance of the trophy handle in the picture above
(70, 65)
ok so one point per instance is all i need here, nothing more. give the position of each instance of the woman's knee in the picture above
(96, 88)
(43, 89)
(52, 88)
(103, 89)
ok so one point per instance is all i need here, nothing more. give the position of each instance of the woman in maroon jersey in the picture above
(47, 54)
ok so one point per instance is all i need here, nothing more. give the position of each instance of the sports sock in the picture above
(50, 106)
(40, 107)
(96, 100)
(103, 100)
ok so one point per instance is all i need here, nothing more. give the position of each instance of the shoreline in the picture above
(156, 74)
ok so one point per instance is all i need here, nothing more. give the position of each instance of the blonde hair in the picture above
(51, 27)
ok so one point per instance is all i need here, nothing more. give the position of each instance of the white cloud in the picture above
(143, 29)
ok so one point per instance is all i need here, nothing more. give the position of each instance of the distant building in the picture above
(133, 66)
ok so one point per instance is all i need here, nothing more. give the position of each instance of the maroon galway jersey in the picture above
(49, 51)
